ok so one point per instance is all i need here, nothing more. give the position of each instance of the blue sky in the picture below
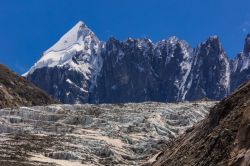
(29, 27)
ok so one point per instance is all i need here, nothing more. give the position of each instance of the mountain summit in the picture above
(78, 39)
(80, 34)
(80, 68)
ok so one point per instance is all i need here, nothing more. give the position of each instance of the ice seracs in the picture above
(103, 134)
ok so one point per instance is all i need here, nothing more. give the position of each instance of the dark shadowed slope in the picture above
(221, 139)
(16, 91)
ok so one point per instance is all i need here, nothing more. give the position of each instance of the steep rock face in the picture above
(221, 139)
(67, 85)
(171, 65)
(210, 73)
(16, 91)
(241, 66)
(126, 74)
(137, 70)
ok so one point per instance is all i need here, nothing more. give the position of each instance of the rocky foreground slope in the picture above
(221, 139)
(76, 135)
(17, 91)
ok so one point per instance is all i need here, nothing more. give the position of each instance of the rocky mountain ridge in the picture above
(80, 68)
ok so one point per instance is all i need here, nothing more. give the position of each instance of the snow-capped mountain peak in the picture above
(79, 39)
(76, 35)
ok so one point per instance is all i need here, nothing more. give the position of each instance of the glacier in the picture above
(103, 134)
